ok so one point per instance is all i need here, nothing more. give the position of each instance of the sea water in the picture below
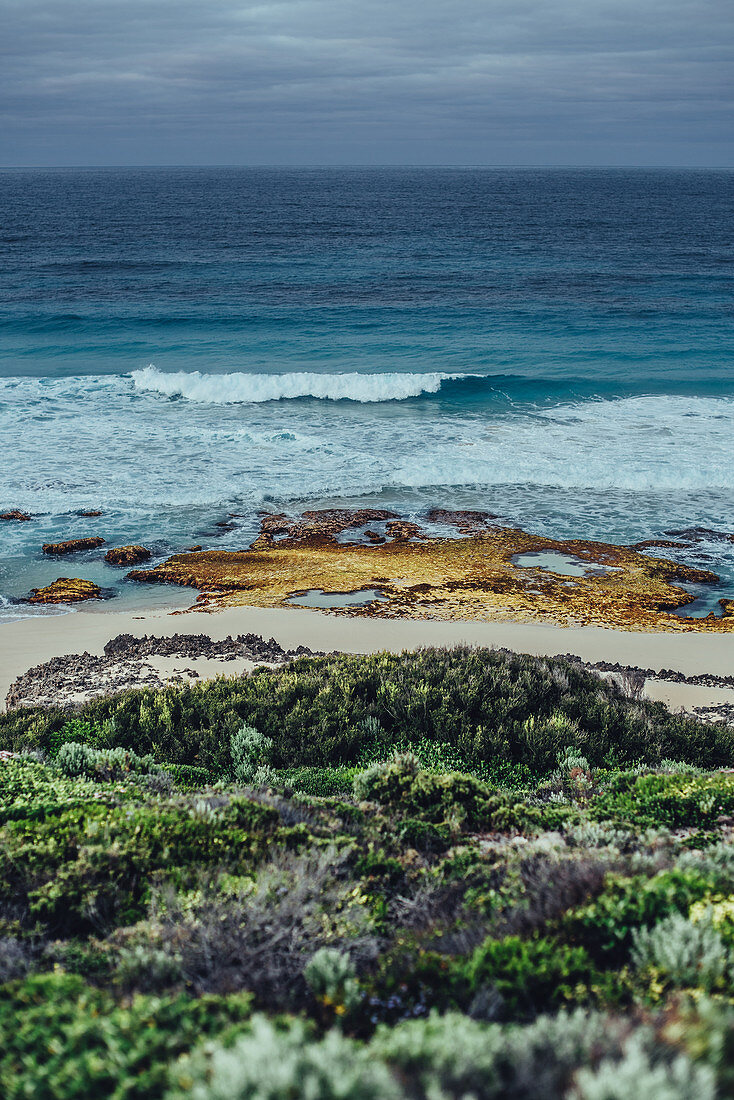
(185, 347)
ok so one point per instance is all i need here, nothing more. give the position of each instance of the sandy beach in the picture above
(33, 641)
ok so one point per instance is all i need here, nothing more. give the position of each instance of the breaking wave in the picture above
(232, 389)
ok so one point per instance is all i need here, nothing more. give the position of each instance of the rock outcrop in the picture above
(66, 590)
(419, 576)
(16, 514)
(127, 555)
(91, 515)
(72, 546)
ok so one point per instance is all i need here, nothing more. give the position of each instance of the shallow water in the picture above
(316, 597)
(568, 565)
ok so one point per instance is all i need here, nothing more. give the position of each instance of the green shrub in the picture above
(402, 785)
(75, 759)
(490, 708)
(89, 864)
(83, 731)
(667, 800)
(65, 1040)
(318, 782)
(606, 926)
(251, 752)
(531, 976)
(453, 1057)
(187, 776)
(330, 975)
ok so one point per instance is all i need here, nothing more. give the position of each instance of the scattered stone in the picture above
(91, 515)
(16, 514)
(127, 555)
(72, 546)
(403, 530)
(193, 549)
(66, 590)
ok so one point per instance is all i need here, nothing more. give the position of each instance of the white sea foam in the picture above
(232, 389)
(97, 442)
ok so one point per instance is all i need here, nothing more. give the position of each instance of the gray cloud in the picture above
(382, 81)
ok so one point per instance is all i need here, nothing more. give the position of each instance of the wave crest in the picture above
(231, 389)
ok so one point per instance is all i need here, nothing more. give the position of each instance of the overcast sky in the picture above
(367, 82)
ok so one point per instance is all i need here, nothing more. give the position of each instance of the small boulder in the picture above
(66, 590)
(127, 555)
(91, 515)
(72, 546)
(16, 514)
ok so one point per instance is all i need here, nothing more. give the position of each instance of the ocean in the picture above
(181, 345)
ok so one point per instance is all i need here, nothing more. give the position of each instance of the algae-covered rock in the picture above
(127, 555)
(66, 590)
(72, 546)
(15, 514)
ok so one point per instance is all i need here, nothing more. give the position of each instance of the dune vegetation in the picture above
(447, 874)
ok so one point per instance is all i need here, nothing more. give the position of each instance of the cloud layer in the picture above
(371, 82)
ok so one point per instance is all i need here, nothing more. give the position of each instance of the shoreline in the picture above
(29, 642)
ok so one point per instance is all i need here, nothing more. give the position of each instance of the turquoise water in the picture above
(178, 345)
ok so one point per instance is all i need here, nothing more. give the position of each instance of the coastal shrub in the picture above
(262, 934)
(320, 782)
(83, 731)
(452, 1057)
(331, 977)
(66, 1040)
(75, 759)
(640, 1073)
(271, 1063)
(251, 752)
(683, 952)
(606, 926)
(491, 708)
(530, 976)
(439, 797)
(671, 800)
(187, 776)
(84, 867)
(33, 791)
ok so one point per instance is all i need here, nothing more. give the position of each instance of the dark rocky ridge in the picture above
(123, 666)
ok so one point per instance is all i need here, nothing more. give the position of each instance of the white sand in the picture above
(34, 641)
(686, 696)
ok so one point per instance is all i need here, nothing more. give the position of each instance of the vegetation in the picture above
(445, 875)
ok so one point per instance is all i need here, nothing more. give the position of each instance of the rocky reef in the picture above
(72, 546)
(15, 514)
(488, 572)
(66, 590)
(127, 555)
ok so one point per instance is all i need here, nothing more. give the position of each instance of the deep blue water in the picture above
(179, 344)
